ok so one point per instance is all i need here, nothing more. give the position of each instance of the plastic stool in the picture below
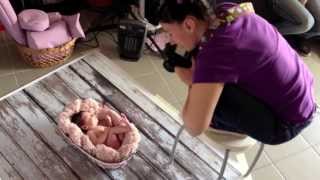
(230, 142)
(233, 142)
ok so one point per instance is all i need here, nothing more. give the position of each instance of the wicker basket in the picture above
(42, 58)
(100, 163)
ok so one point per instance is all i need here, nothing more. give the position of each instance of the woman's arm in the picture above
(200, 105)
(184, 74)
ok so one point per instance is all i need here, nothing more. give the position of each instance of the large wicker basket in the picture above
(100, 163)
(42, 58)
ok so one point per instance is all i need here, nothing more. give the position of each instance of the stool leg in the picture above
(255, 160)
(175, 145)
(224, 164)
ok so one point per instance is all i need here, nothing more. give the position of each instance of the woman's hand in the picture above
(185, 74)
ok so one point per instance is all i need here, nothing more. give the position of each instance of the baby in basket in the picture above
(99, 130)
(106, 127)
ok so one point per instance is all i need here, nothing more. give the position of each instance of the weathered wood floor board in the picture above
(31, 148)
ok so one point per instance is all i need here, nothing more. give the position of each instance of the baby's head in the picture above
(182, 19)
(84, 120)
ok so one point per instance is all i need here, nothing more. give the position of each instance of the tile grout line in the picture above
(292, 156)
(165, 81)
(142, 75)
(275, 168)
(266, 165)
(279, 171)
(180, 104)
(311, 144)
(16, 80)
(7, 74)
(274, 165)
(305, 138)
(287, 156)
(314, 148)
(40, 78)
(14, 69)
(139, 80)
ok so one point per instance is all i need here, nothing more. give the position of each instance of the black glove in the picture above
(173, 59)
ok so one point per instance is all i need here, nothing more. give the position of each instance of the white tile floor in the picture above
(296, 160)
(280, 152)
(304, 165)
(14, 72)
(317, 148)
(267, 173)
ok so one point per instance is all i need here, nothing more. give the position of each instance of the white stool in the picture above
(233, 142)
(230, 142)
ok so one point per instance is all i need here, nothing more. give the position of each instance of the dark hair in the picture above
(177, 10)
(77, 119)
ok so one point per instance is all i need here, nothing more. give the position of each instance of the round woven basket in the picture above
(100, 163)
(129, 144)
(42, 58)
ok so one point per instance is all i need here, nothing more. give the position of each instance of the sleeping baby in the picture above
(99, 130)
(107, 127)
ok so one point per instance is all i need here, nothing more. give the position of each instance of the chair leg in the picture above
(255, 160)
(176, 140)
(224, 164)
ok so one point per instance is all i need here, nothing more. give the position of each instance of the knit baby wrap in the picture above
(108, 155)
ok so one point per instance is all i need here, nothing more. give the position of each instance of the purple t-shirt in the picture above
(252, 54)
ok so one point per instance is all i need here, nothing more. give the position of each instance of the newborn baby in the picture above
(107, 127)
(99, 130)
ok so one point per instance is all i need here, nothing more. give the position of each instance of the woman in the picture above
(245, 77)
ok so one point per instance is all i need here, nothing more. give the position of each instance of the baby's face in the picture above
(89, 121)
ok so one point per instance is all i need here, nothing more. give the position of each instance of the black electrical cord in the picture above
(97, 29)
(88, 41)
(149, 36)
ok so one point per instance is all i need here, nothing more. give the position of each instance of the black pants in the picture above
(239, 112)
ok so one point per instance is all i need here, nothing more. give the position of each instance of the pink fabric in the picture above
(104, 151)
(54, 17)
(10, 21)
(74, 25)
(57, 34)
(33, 20)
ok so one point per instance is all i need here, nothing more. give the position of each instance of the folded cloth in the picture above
(74, 25)
(56, 35)
(54, 17)
(33, 20)
(9, 20)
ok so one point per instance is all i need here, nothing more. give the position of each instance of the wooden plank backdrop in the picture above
(30, 147)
